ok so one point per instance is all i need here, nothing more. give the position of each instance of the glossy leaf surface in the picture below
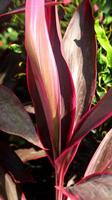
(67, 90)
(42, 127)
(80, 51)
(95, 117)
(14, 119)
(43, 67)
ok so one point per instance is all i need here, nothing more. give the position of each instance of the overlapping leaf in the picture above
(102, 159)
(93, 188)
(13, 165)
(14, 119)
(8, 189)
(43, 67)
(67, 90)
(30, 154)
(95, 117)
(80, 51)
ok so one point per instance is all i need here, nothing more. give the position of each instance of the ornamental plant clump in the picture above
(61, 78)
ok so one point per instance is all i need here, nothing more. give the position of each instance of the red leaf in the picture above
(60, 108)
(43, 67)
(13, 12)
(42, 127)
(80, 51)
(66, 83)
(66, 1)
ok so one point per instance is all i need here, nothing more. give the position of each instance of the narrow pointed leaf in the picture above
(102, 159)
(43, 66)
(66, 83)
(92, 119)
(14, 119)
(10, 13)
(42, 127)
(80, 51)
(8, 189)
(92, 188)
(13, 191)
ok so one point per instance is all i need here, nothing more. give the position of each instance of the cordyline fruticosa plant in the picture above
(61, 77)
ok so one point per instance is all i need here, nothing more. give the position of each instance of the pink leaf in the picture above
(43, 66)
(66, 1)
(42, 127)
(50, 76)
(68, 105)
(80, 51)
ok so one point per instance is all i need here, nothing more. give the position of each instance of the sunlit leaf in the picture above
(67, 90)
(30, 154)
(80, 53)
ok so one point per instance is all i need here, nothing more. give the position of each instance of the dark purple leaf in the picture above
(80, 53)
(12, 164)
(14, 119)
(102, 159)
(95, 117)
(9, 68)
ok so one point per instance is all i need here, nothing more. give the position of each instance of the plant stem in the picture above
(59, 182)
